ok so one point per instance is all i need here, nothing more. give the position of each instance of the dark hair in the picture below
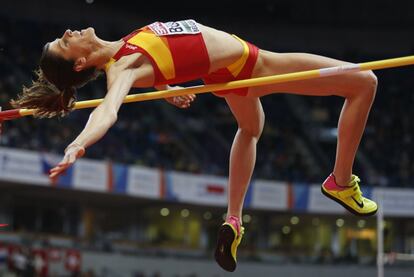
(54, 91)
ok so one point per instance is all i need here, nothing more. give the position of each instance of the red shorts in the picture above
(239, 70)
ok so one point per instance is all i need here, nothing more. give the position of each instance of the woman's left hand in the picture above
(72, 153)
(181, 101)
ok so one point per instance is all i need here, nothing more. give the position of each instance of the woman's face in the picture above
(74, 44)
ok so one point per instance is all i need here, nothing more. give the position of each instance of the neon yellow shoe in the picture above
(228, 241)
(350, 197)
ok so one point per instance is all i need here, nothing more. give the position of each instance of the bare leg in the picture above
(358, 89)
(250, 118)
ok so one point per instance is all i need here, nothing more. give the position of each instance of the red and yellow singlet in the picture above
(178, 54)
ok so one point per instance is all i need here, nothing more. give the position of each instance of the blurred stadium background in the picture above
(147, 200)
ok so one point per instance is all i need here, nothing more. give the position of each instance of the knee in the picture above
(371, 81)
(367, 85)
(253, 129)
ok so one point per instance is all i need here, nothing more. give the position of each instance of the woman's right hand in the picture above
(72, 153)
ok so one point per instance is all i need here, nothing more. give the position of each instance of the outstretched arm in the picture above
(99, 122)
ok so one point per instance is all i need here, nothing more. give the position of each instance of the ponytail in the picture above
(46, 99)
(54, 91)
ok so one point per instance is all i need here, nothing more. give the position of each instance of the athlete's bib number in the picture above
(175, 28)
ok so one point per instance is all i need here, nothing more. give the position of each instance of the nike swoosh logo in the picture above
(360, 204)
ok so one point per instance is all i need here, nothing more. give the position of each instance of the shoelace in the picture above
(241, 231)
(355, 185)
(240, 235)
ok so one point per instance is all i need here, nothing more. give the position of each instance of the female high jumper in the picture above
(168, 53)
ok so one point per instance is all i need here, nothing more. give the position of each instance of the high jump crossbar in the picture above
(274, 79)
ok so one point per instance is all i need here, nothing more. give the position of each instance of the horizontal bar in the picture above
(282, 78)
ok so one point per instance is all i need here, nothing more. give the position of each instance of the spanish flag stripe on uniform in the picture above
(190, 56)
(158, 49)
(237, 66)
